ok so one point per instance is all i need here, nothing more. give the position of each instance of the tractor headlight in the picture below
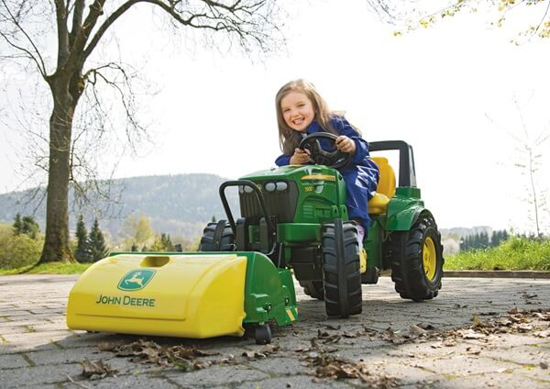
(248, 189)
(281, 185)
(270, 187)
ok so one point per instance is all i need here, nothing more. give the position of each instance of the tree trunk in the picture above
(56, 245)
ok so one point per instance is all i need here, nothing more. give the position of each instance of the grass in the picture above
(49, 268)
(515, 254)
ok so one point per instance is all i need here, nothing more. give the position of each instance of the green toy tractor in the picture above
(296, 216)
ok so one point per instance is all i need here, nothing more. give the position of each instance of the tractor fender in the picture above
(404, 219)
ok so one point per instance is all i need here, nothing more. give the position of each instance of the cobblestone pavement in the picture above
(476, 333)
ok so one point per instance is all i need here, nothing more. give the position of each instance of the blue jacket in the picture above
(361, 175)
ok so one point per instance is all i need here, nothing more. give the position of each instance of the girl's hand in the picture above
(299, 157)
(345, 144)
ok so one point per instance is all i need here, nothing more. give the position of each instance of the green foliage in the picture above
(19, 250)
(163, 243)
(517, 253)
(82, 253)
(49, 268)
(96, 241)
(138, 232)
(26, 225)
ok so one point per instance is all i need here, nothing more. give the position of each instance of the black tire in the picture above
(262, 334)
(417, 260)
(217, 237)
(341, 269)
(313, 289)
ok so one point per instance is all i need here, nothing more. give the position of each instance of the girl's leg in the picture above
(360, 234)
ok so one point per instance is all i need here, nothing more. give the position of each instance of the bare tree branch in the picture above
(33, 54)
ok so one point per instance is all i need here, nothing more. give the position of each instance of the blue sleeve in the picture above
(361, 146)
(283, 160)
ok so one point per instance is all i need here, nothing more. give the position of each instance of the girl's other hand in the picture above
(300, 156)
(345, 144)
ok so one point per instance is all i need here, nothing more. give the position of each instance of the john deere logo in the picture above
(136, 280)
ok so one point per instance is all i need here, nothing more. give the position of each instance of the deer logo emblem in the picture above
(136, 280)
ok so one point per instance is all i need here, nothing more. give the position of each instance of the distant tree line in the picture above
(482, 241)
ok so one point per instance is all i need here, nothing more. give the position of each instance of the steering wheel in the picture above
(333, 157)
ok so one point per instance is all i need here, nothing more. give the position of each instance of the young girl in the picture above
(302, 111)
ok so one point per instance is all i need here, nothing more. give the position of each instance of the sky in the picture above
(459, 92)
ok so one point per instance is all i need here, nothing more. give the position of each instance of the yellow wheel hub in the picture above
(429, 258)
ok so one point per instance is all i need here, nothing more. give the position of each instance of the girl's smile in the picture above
(297, 111)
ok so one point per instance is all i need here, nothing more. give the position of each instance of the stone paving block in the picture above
(491, 380)
(125, 381)
(45, 327)
(535, 373)
(32, 340)
(28, 320)
(12, 361)
(77, 339)
(216, 375)
(280, 366)
(76, 355)
(461, 365)
(295, 382)
(9, 329)
(38, 376)
(522, 355)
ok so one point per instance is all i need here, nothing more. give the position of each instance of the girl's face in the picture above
(297, 111)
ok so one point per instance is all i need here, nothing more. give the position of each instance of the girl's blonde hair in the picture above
(288, 139)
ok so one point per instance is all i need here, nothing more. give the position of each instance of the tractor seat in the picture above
(385, 189)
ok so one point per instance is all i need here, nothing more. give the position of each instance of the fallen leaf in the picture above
(415, 330)
(427, 327)
(109, 346)
(97, 369)
(470, 334)
(253, 354)
(525, 327)
(393, 337)
(449, 343)
(477, 322)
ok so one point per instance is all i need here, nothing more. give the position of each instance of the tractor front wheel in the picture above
(313, 289)
(417, 260)
(341, 269)
(217, 236)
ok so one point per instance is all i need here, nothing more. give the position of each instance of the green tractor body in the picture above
(296, 216)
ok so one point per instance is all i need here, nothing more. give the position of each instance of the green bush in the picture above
(19, 250)
(517, 253)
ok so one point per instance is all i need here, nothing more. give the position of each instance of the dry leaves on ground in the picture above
(151, 352)
(332, 367)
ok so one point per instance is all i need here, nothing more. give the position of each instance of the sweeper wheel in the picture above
(262, 334)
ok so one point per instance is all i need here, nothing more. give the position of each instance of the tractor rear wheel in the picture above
(417, 260)
(313, 289)
(341, 269)
(217, 236)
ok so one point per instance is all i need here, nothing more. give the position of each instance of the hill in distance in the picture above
(180, 205)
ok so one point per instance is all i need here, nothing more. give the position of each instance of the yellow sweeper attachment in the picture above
(191, 295)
